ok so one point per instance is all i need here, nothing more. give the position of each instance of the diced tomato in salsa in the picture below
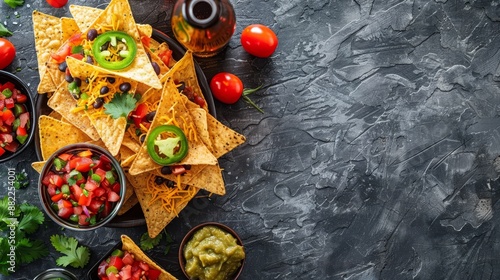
(14, 118)
(75, 187)
(122, 265)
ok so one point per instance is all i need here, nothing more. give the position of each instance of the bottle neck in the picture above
(201, 13)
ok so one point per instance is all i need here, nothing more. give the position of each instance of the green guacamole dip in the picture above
(212, 254)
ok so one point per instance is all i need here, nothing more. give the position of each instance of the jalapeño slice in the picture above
(167, 144)
(114, 50)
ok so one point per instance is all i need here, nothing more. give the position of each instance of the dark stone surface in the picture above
(377, 156)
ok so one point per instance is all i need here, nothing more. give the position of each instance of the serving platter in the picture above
(134, 216)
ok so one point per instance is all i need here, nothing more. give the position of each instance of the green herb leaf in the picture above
(21, 180)
(74, 255)
(32, 217)
(14, 3)
(247, 99)
(120, 106)
(27, 251)
(148, 243)
(4, 32)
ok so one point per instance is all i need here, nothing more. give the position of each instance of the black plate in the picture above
(134, 217)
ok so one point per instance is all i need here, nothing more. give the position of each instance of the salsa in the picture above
(14, 118)
(123, 265)
(83, 187)
(212, 253)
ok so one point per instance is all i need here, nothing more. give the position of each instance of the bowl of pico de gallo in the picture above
(17, 116)
(82, 187)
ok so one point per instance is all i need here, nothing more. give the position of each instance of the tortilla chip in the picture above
(55, 134)
(119, 15)
(111, 132)
(38, 165)
(185, 71)
(84, 17)
(62, 102)
(131, 143)
(69, 28)
(198, 153)
(155, 215)
(47, 31)
(200, 119)
(56, 115)
(223, 138)
(129, 245)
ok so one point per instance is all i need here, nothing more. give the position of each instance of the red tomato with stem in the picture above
(57, 3)
(7, 53)
(259, 40)
(226, 87)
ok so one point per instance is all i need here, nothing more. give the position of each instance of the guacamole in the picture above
(212, 254)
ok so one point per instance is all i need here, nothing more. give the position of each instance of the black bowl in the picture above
(45, 197)
(30, 107)
(187, 237)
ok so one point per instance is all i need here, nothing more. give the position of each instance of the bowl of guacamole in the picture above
(211, 251)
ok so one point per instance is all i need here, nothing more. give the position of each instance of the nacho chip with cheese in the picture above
(129, 245)
(172, 110)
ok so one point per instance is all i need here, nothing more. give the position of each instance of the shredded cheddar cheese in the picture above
(170, 198)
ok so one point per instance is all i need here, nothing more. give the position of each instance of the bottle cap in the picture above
(201, 13)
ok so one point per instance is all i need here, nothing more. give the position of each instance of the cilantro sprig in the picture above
(17, 224)
(121, 105)
(147, 243)
(74, 255)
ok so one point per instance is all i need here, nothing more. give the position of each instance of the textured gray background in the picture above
(377, 154)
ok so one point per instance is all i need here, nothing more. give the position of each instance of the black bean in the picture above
(142, 138)
(111, 80)
(156, 67)
(169, 184)
(91, 34)
(150, 116)
(159, 180)
(166, 170)
(78, 82)
(98, 103)
(187, 166)
(69, 78)
(104, 90)
(125, 87)
(181, 86)
(63, 66)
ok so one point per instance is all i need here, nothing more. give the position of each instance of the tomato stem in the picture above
(247, 92)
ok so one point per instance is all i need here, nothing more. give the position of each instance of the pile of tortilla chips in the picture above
(75, 120)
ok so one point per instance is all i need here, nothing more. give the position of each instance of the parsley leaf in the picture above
(121, 105)
(14, 3)
(75, 256)
(4, 32)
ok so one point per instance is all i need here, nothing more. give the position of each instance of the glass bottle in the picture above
(203, 26)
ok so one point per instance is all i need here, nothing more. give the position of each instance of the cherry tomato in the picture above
(57, 3)
(226, 87)
(7, 53)
(259, 40)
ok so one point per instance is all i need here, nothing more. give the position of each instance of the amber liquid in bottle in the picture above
(203, 26)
